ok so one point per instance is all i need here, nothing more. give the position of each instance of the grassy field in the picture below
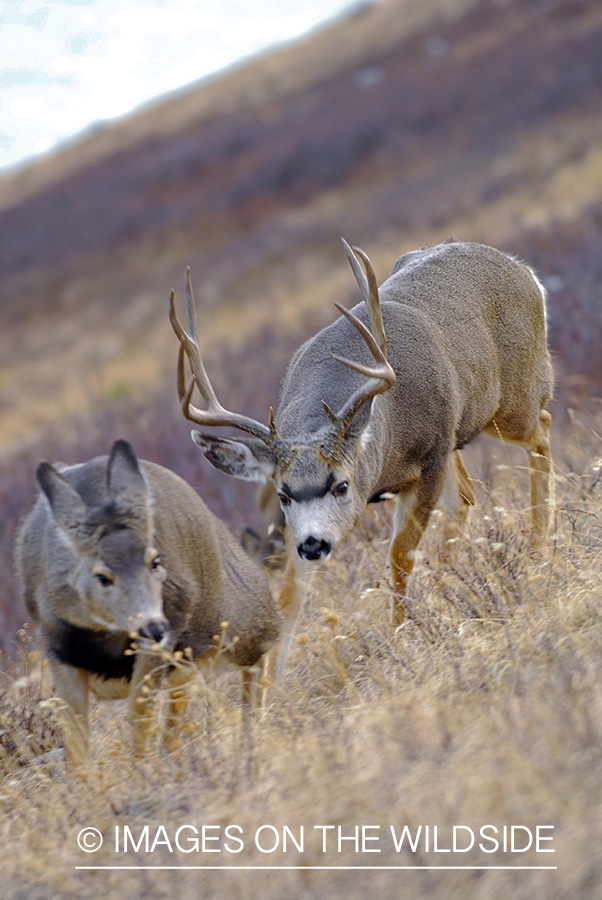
(483, 709)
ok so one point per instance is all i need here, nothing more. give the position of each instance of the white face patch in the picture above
(324, 518)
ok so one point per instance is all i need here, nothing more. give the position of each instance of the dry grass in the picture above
(482, 709)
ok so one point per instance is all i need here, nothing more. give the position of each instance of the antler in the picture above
(215, 414)
(369, 288)
(381, 377)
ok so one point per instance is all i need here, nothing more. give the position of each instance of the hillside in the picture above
(397, 126)
(402, 124)
(407, 121)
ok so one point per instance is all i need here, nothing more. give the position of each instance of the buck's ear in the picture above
(67, 506)
(246, 458)
(360, 429)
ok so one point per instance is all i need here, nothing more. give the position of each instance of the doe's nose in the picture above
(314, 548)
(153, 630)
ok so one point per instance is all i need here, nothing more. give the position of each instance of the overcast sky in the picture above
(67, 64)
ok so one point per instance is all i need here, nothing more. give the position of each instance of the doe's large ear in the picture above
(246, 458)
(125, 482)
(68, 508)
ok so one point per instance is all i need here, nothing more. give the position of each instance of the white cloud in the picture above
(54, 112)
(253, 32)
(67, 64)
(87, 17)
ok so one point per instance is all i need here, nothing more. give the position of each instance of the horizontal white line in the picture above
(329, 868)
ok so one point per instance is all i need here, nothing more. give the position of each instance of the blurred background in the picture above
(395, 124)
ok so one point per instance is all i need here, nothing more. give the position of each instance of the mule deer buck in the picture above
(379, 404)
(115, 551)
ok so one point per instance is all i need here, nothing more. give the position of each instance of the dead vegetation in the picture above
(482, 709)
(481, 120)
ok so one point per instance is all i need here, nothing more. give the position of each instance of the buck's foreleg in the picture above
(413, 508)
(71, 687)
(456, 499)
(537, 447)
(290, 602)
(540, 477)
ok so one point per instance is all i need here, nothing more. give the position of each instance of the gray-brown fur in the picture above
(465, 336)
(177, 576)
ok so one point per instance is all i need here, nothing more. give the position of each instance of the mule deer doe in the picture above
(364, 417)
(117, 550)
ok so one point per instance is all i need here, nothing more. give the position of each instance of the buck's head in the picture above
(113, 575)
(319, 477)
(321, 483)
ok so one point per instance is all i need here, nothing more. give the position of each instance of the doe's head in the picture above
(113, 573)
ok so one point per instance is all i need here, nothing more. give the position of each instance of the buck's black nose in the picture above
(313, 548)
(154, 630)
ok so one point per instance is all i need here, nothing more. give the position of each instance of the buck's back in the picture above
(460, 284)
(488, 312)
(466, 337)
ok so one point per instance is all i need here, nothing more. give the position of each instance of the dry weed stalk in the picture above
(483, 706)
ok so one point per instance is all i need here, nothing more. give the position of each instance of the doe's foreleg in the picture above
(71, 687)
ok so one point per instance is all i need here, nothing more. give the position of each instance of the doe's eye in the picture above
(285, 500)
(104, 579)
(339, 490)
(155, 563)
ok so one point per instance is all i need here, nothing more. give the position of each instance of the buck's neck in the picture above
(371, 451)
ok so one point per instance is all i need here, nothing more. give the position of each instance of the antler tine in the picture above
(181, 375)
(374, 348)
(190, 307)
(381, 377)
(191, 348)
(360, 277)
(369, 287)
(373, 302)
(189, 411)
(216, 414)
(200, 416)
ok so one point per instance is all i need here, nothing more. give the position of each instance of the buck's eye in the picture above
(104, 579)
(340, 489)
(285, 500)
(155, 563)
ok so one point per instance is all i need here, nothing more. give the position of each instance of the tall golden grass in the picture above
(482, 709)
